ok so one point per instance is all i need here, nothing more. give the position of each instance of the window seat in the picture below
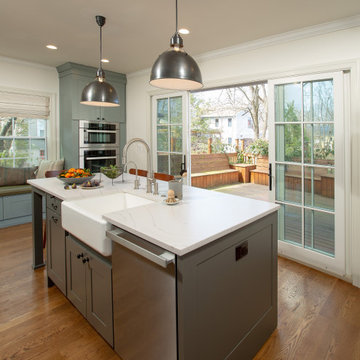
(14, 190)
(15, 205)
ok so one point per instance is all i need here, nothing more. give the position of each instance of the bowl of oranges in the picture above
(75, 176)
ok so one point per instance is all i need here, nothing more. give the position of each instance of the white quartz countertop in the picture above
(201, 217)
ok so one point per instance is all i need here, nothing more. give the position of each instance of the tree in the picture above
(200, 129)
(250, 100)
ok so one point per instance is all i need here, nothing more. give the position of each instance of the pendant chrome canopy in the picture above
(99, 92)
(175, 69)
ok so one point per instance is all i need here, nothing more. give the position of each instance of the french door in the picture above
(169, 132)
(306, 123)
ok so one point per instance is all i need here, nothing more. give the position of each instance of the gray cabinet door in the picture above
(80, 111)
(99, 296)
(55, 250)
(76, 277)
(227, 294)
(89, 286)
(115, 114)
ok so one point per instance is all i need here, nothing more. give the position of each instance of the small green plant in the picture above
(258, 147)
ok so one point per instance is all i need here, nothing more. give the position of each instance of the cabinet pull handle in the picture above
(54, 219)
(241, 251)
(85, 260)
(80, 255)
(102, 131)
(163, 260)
(54, 206)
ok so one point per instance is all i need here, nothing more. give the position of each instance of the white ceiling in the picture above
(137, 31)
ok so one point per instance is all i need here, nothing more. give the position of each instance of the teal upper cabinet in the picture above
(73, 78)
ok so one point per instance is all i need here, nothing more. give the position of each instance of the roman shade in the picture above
(24, 105)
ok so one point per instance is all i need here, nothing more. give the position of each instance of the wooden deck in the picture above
(319, 315)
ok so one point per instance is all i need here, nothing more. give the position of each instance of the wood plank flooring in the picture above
(319, 316)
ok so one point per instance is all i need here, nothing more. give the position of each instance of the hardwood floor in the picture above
(319, 316)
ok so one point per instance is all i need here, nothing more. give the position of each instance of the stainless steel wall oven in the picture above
(99, 144)
(94, 159)
(98, 134)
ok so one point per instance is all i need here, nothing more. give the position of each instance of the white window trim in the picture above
(185, 110)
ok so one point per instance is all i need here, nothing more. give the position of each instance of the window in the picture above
(22, 141)
(229, 141)
(229, 122)
(216, 122)
(23, 128)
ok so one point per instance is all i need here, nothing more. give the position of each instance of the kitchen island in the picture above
(212, 294)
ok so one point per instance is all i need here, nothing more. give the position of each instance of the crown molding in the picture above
(26, 63)
(307, 32)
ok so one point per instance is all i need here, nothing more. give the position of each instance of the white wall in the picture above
(290, 55)
(21, 75)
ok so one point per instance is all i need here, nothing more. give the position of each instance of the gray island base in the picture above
(217, 302)
(181, 283)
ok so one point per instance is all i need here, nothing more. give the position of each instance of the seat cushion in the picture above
(16, 176)
(14, 190)
(46, 165)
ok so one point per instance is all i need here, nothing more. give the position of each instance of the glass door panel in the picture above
(169, 133)
(306, 124)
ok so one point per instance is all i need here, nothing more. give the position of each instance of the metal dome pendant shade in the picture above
(99, 92)
(174, 69)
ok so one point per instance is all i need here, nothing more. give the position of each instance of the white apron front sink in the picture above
(84, 218)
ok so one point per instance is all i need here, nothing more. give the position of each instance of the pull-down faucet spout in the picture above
(150, 172)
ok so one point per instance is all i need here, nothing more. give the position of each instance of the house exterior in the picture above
(231, 126)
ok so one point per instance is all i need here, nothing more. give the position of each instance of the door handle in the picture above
(163, 260)
(270, 177)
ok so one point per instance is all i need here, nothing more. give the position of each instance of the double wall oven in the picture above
(99, 144)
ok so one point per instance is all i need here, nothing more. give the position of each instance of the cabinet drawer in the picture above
(17, 206)
(1, 209)
(53, 203)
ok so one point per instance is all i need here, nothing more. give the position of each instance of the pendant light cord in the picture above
(100, 47)
(176, 7)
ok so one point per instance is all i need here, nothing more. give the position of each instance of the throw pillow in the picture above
(16, 176)
(46, 165)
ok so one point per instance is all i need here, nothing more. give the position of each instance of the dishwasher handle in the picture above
(163, 260)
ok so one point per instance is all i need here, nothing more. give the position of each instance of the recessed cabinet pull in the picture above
(85, 260)
(55, 220)
(241, 250)
(80, 255)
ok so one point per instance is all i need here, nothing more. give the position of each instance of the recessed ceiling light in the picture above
(105, 60)
(184, 31)
(52, 47)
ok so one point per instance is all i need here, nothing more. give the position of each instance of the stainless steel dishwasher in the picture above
(144, 299)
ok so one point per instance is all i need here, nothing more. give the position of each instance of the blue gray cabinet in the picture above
(72, 80)
(74, 77)
(224, 295)
(89, 286)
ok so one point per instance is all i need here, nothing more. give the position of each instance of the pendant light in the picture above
(99, 92)
(175, 69)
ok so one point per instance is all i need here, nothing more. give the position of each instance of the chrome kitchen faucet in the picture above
(150, 173)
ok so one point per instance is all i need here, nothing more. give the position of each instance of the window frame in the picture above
(184, 125)
(29, 138)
